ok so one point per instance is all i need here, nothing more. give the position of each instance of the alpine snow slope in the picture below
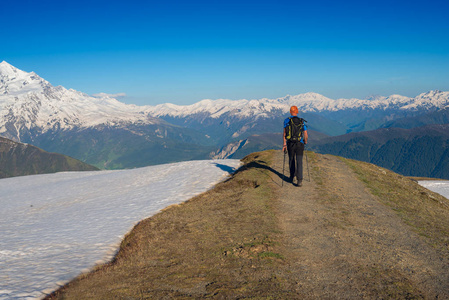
(55, 226)
(29, 102)
(109, 134)
(438, 186)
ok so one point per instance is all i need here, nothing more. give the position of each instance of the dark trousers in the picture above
(295, 154)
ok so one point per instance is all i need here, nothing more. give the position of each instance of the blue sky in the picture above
(185, 51)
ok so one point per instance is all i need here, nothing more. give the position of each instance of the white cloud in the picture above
(103, 95)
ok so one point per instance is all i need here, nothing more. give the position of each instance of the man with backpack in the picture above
(295, 138)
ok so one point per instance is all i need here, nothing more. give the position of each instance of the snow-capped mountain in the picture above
(240, 118)
(308, 102)
(29, 102)
(101, 130)
(98, 130)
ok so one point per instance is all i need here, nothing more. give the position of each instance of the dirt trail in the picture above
(341, 242)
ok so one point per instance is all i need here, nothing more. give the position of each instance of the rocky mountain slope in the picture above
(17, 159)
(259, 142)
(30, 105)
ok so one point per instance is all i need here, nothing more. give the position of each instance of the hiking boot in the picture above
(298, 182)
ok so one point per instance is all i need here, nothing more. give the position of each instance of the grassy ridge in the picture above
(227, 243)
(426, 212)
(222, 243)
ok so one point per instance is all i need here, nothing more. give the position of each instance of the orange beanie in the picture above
(293, 110)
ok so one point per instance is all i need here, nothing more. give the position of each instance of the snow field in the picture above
(55, 226)
(438, 186)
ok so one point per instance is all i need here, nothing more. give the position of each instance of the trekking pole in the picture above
(283, 169)
(307, 161)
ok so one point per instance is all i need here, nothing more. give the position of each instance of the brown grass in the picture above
(425, 211)
(221, 243)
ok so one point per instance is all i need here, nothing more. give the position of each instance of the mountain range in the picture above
(107, 133)
(98, 130)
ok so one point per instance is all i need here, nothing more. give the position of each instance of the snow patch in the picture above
(55, 226)
(438, 186)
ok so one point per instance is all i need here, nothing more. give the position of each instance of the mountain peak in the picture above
(29, 101)
(5, 64)
(9, 70)
(15, 81)
(374, 97)
(431, 93)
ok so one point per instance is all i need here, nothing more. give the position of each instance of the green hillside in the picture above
(133, 147)
(422, 151)
(18, 159)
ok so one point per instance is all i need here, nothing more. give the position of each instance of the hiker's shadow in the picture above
(258, 164)
(226, 168)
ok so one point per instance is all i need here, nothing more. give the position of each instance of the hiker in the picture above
(295, 138)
